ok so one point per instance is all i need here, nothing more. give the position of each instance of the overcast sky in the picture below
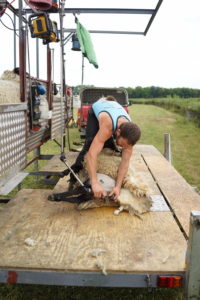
(168, 56)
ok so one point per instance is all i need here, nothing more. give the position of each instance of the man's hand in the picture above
(98, 191)
(115, 193)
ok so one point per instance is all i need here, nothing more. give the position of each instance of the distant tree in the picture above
(160, 92)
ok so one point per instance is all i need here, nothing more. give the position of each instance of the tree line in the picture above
(159, 92)
(153, 92)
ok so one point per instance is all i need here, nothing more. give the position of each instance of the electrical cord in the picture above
(13, 29)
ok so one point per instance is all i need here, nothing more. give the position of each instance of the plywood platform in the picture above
(66, 239)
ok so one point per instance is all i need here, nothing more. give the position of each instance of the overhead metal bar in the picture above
(109, 11)
(108, 31)
(153, 16)
(104, 11)
(136, 11)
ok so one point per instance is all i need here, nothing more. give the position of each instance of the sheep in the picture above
(134, 195)
(131, 181)
(9, 88)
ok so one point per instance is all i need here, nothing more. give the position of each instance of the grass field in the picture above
(185, 138)
(154, 122)
(182, 105)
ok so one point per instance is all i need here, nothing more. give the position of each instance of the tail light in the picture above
(79, 113)
(169, 281)
(126, 109)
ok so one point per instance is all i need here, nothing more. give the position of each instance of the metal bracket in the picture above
(149, 282)
(9, 185)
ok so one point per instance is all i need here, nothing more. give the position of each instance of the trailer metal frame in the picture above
(191, 276)
(90, 279)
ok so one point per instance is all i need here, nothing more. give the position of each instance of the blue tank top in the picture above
(114, 109)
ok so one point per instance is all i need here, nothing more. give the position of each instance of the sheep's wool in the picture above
(9, 88)
(134, 195)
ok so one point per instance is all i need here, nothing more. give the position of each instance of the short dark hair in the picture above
(130, 131)
(110, 98)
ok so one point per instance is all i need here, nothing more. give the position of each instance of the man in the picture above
(106, 119)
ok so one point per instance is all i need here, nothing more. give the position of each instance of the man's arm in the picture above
(122, 170)
(91, 160)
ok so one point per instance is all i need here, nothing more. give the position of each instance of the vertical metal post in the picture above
(14, 37)
(62, 75)
(49, 76)
(52, 59)
(192, 286)
(36, 154)
(37, 59)
(82, 70)
(19, 186)
(167, 147)
(22, 54)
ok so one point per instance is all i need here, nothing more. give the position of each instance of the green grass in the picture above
(184, 104)
(187, 107)
(185, 138)
(154, 122)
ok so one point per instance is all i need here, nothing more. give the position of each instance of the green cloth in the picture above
(86, 43)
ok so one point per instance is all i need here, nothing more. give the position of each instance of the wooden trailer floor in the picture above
(63, 238)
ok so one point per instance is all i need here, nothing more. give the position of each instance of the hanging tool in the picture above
(78, 195)
(42, 27)
(84, 192)
(63, 159)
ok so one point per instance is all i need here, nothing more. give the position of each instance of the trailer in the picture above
(53, 243)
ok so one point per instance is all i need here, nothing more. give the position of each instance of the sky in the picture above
(168, 56)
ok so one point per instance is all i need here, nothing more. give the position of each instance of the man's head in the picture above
(127, 133)
(111, 98)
